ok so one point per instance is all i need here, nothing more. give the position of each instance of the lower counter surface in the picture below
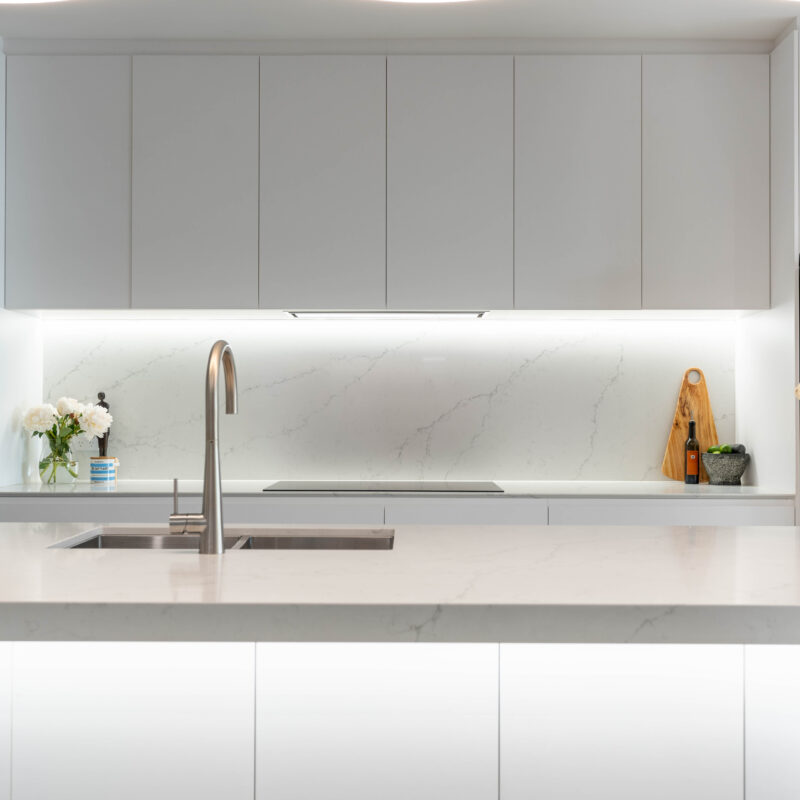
(438, 584)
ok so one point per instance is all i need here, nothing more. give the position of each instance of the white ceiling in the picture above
(351, 19)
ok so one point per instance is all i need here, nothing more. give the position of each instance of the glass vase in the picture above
(60, 468)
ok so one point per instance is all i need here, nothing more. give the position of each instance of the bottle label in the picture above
(692, 462)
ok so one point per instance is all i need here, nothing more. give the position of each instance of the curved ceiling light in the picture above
(426, 2)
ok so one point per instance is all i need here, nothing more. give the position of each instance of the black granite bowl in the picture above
(725, 469)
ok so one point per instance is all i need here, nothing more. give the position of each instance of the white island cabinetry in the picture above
(621, 722)
(362, 721)
(772, 692)
(96, 720)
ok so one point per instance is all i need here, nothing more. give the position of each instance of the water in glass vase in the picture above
(58, 468)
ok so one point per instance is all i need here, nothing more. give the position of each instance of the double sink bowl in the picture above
(153, 538)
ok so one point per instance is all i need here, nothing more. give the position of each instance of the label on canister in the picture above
(102, 470)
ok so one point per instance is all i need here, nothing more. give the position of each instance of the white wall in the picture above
(20, 357)
(766, 341)
(529, 399)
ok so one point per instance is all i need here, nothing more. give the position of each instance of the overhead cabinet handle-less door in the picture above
(450, 182)
(705, 180)
(68, 148)
(323, 182)
(195, 182)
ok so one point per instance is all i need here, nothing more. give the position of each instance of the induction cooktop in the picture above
(450, 487)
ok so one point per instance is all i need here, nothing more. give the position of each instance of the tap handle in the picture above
(174, 495)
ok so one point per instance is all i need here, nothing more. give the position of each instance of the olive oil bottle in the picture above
(692, 462)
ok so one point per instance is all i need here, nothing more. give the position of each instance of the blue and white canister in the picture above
(103, 470)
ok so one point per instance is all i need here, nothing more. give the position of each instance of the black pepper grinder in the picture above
(103, 440)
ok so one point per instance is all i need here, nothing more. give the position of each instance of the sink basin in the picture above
(318, 540)
(154, 538)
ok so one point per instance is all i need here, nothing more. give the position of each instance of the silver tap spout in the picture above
(209, 522)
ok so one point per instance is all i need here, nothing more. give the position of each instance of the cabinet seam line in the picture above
(255, 717)
(744, 722)
(386, 182)
(499, 685)
(130, 188)
(641, 181)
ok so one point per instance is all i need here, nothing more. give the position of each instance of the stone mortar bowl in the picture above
(725, 469)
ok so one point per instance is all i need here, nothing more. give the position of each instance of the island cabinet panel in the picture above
(323, 182)
(5, 720)
(577, 183)
(621, 722)
(68, 182)
(195, 182)
(450, 182)
(705, 181)
(366, 721)
(772, 732)
(94, 721)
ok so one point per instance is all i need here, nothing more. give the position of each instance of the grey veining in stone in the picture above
(473, 399)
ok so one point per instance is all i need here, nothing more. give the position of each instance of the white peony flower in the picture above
(95, 421)
(40, 418)
(69, 405)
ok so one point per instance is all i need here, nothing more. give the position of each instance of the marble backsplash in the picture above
(469, 399)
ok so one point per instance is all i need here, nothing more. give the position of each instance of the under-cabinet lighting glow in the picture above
(387, 315)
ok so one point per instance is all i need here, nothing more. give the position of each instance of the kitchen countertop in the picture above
(439, 584)
(567, 489)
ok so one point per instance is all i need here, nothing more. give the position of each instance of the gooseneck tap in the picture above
(209, 522)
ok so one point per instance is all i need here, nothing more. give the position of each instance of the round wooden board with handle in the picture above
(692, 399)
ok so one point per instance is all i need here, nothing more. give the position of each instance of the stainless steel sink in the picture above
(318, 540)
(154, 538)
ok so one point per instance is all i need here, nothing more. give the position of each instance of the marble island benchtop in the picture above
(244, 488)
(439, 584)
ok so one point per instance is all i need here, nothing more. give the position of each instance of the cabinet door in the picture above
(467, 511)
(450, 182)
(705, 181)
(577, 182)
(323, 182)
(308, 511)
(366, 721)
(195, 181)
(68, 182)
(133, 719)
(5, 720)
(621, 722)
(772, 732)
(695, 511)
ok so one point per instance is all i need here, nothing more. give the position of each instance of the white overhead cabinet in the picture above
(621, 722)
(577, 182)
(195, 182)
(365, 721)
(68, 182)
(450, 182)
(95, 720)
(705, 140)
(323, 182)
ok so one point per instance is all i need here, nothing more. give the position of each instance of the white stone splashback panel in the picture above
(468, 399)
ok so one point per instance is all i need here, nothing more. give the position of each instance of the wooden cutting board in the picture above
(692, 398)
